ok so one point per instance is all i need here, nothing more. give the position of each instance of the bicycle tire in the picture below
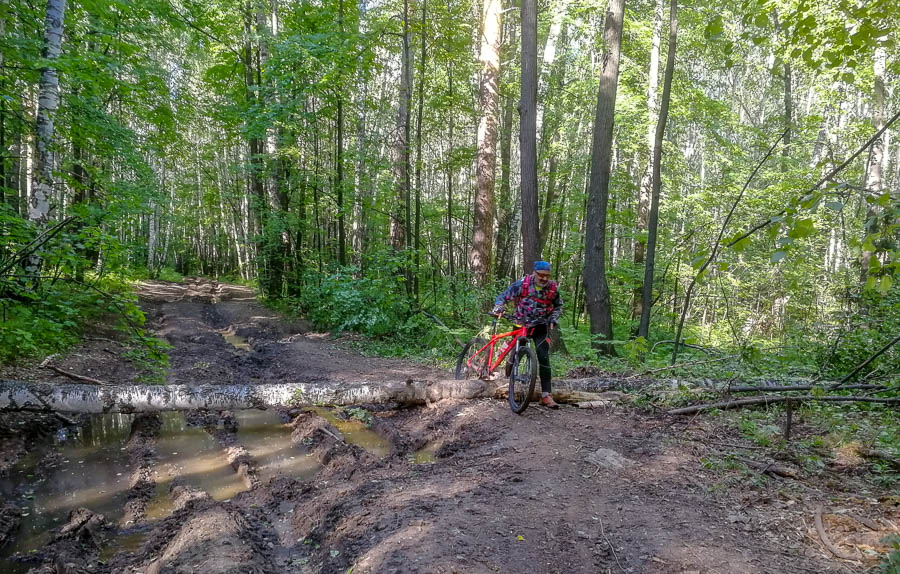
(464, 371)
(522, 378)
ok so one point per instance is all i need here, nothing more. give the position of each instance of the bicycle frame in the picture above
(516, 334)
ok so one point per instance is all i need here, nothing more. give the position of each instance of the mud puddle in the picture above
(427, 454)
(356, 432)
(88, 467)
(191, 454)
(236, 341)
(268, 440)
(81, 468)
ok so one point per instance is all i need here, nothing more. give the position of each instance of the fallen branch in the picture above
(823, 536)
(771, 468)
(789, 388)
(75, 376)
(881, 455)
(766, 400)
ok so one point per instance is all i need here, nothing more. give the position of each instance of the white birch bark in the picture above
(78, 398)
(48, 103)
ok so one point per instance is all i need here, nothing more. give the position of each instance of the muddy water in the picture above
(81, 468)
(193, 455)
(427, 454)
(268, 440)
(236, 341)
(356, 432)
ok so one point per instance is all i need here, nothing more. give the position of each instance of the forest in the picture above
(701, 176)
(289, 217)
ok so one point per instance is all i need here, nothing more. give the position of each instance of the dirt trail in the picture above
(550, 492)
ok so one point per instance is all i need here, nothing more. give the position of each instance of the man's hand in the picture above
(497, 312)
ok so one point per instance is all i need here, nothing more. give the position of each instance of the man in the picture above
(538, 305)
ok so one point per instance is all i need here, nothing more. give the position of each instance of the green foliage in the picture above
(891, 564)
(151, 355)
(375, 306)
(362, 415)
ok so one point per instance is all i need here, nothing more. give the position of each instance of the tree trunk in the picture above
(48, 103)
(653, 224)
(86, 398)
(400, 236)
(4, 6)
(643, 206)
(419, 115)
(874, 182)
(258, 200)
(483, 224)
(596, 289)
(505, 204)
(528, 136)
(339, 155)
(450, 170)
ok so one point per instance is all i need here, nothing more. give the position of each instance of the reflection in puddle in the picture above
(123, 543)
(427, 454)
(236, 341)
(193, 455)
(268, 440)
(355, 432)
(88, 468)
(85, 468)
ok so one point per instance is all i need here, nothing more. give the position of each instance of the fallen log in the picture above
(789, 388)
(79, 398)
(767, 400)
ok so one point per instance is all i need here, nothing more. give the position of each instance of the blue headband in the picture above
(541, 266)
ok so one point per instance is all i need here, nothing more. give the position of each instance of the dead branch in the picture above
(683, 344)
(823, 536)
(835, 171)
(611, 547)
(717, 246)
(688, 364)
(789, 388)
(441, 323)
(75, 376)
(866, 362)
(771, 468)
(766, 400)
(881, 455)
(34, 245)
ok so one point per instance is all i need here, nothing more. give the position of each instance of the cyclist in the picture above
(538, 305)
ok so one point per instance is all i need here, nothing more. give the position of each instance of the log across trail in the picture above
(78, 398)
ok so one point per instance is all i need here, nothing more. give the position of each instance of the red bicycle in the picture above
(521, 366)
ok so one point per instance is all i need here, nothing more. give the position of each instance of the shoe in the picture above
(549, 402)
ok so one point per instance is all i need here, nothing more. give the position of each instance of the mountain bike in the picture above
(479, 359)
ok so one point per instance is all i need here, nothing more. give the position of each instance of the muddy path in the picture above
(456, 487)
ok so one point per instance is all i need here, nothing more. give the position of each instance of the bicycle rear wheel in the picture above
(479, 363)
(522, 379)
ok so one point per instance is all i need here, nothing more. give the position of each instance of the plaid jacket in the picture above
(531, 307)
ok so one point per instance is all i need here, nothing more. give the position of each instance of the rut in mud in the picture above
(458, 486)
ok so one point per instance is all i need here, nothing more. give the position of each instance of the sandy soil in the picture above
(614, 490)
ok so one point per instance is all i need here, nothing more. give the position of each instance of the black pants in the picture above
(541, 337)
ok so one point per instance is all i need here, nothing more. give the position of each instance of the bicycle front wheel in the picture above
(478, 364)
(522, 379)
